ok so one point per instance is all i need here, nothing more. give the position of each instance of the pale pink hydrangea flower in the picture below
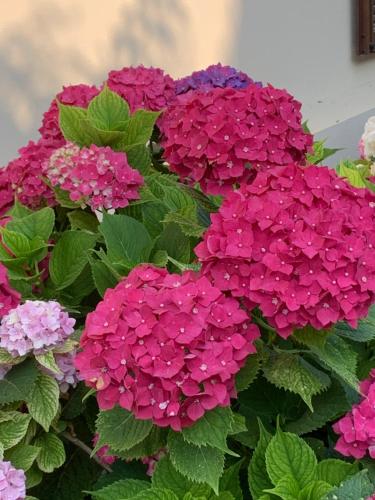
(12, 482)
(165, 346)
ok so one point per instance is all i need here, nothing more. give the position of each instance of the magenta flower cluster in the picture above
(35, 326)
(215, 137)
(143, 88)
(9, 298)
(357, 428)
(103, 452)
(12, 482)
(215, 75)
(96, 176)
(298, 242)
(165, 346)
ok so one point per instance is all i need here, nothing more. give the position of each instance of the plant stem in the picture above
(80, 444)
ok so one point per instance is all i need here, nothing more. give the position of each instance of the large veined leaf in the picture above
(52, 452)
(22, 456)
(13, 427)
(18, 382)
(43, 402)
(248, 372)
(286, 488)
(123, 489)
(38, 223)
(334, 471)
(258, 476)
(70, 121)
(108, 111)
(354, 488)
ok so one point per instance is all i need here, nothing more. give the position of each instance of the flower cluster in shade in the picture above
(103, 452)
(12, 482)
(213, 76)
(165, 346)
(146, 88)
(96, 176)
(35, 326)
(357, 428)
(215, 137)
(9, 298)
(298, 242)
(68, 376)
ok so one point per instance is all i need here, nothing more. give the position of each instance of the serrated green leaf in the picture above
(20, 245)
(119, 429)
(230, 480)
(153, 214)
(211, 429)
(181, 204)
(22, 456)
(287, 454)
(156, 494)
(238, 424)
(43, 402)
(8, 359)
(258, 477)
(174, 242)
(70, 121)
(286, 488)
(248, 372)
(150, 445)
(38, 223)
(351, 174)
(12, 431)
(354, 488)
(63, 198)
(139, 158)
(52, 452)
(18, 210)
(48, 361)
(187, 221)
(18, 382)
(334, 471)
(123, 489)
(314, 490)
(70, 256)
(33, 477)
(83, 221)
(327, 406)
(108, 111)
(166, 476)
(365, 331)
(102, 276)
(292, 373)
(160, 258)
(199, 464)
(138, 129)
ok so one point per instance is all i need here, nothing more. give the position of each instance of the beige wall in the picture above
(304, 45)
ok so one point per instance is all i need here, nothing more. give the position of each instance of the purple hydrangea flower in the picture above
(12, 482)
(35, 326)
(69, 376)
(215, 75)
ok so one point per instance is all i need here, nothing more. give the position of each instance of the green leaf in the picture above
(287, 454)
(238, 425)
(94, 135)
(126, 239)
(108, 111)
(43, 402)
(354, 488)
(174, 242)
(327, 406)
(334, 471)
(150, 445)
(63, 198)
(286, 488)
(139, 158)
(315, 490)
(138, 129)
(156, 494)
(160, 258)
(70, 256)
(126, 488)
(351, 173)
(20, 245)
(18, 210)
(48, 361)
(211, 429)
(83, 220)
(33, 477)
(8, 359)
(22, 456)
(363, 333)
(292, 373)
(52, 453)
(38, 223)
(102, 276)
(186, 219)
(70, 121)
(18, 382)
(230, 480)
(166, 476)
(258, 477)
(120, 430)
(12, 431)
(248, 372)
(153, 214)
(200, 464)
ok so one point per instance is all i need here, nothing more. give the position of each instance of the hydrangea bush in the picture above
(186, 298)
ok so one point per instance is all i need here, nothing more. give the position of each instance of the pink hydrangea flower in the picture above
(9, 298)
(165, 346)
(298, 242)
(12, 482)
(73, 95)
(6, 191)
(35, 326)
(148, 88)
(357, 428)
(96, 176)
(102, 453)
(214, 137)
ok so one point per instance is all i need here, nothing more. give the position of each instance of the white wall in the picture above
(303, 45)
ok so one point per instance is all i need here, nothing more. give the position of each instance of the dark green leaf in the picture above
(18, 382)
(258, 477)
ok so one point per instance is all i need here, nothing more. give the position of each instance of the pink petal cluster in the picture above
(143, 88)
(102, 453)
(298, 242)
(6, 191)
(12, 482)
(35, 326)
(357, 428)
(165, 346)
(9, 298)
(73, 95)
(69, 376)
(214, 137)
(96, 176)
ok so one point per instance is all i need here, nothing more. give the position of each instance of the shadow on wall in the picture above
(36, 56)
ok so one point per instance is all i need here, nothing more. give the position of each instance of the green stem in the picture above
(80, 444)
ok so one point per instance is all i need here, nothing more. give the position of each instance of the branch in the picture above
(80, 444)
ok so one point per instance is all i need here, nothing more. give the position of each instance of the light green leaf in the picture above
(160, 258)
(38, 223)
(120, 430)
(287, 454)
(334, 471)
(18, 210)
(70, 256)
(52, 453)
(123, 489)
(22, 456)
(200, 464)
(248, 372)
(18, 382)
(211, 429)
(292, 373)
(43, 403)
(315, 490)
(8, 359)
(108, 111)
(351, 173)
(70, 121)
(48, 361)
(20, 245)
(12, 431)
(354, 488)
(138, 129)
(258, 477)
(156, 494)
(286, 488)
